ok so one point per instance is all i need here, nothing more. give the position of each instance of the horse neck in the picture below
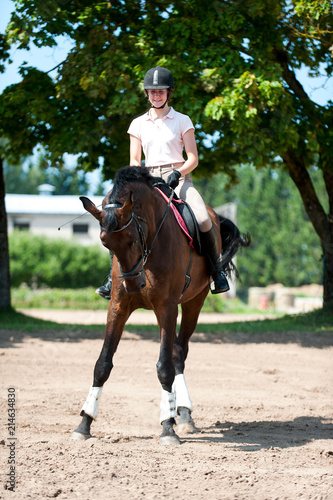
(145, 204)
(152, 209)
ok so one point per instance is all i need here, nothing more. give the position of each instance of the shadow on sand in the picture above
(244, 332)
(254, 436)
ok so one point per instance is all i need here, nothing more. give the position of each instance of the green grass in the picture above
(83, 298)
(317, 321)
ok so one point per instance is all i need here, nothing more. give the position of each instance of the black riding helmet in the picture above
(159, 78)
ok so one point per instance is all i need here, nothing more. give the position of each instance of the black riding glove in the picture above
(173, 179)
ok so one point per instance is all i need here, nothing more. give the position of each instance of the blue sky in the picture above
(319, 89)
(43, 58)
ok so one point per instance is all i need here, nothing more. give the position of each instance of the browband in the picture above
(112, 205)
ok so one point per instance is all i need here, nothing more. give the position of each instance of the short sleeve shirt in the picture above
(161, 139)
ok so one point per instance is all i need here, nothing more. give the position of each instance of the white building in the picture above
(43, 214)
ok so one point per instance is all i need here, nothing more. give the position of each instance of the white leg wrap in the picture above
(168, 406)
(182, 396)
(91, 405)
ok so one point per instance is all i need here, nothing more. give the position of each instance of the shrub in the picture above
(57, 298)
(39, 261)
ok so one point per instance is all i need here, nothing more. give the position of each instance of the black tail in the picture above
(232, 242)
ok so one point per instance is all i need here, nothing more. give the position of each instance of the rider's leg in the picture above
(210, 248)
(105, 290)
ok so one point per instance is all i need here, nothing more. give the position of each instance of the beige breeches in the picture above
(187, 192)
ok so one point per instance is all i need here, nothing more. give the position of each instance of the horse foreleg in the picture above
(191, 311)
(166, 375)
(184, 407)
(90, 408)
(102, 372)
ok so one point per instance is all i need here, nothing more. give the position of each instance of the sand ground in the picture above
(263, 405)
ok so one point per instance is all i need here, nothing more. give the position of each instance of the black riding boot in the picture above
(210, 249)
(105, 290)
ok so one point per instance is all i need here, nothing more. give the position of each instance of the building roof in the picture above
(36, 204)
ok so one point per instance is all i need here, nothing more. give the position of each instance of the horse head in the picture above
(122, 232)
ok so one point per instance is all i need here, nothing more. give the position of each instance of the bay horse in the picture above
(151, 259)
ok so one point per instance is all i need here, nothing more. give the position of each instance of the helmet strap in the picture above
(160, 107)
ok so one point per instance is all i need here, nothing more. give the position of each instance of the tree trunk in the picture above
(4, 251)
(322, 222)
(328, 267)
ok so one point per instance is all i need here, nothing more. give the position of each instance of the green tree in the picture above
(237, 61)
(22, 180)
(284, 247)
(26, 176)
(234, 63)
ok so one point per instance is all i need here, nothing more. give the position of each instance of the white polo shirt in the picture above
(161, 139)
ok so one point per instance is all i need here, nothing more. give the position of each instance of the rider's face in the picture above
(157, 97)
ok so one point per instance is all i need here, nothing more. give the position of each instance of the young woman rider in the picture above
(163, 133)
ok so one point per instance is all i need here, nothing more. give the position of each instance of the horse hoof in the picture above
(170, 440)
(187, 428)
(78, 436)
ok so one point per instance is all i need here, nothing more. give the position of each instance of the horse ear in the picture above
(91, 208)
(127, 205)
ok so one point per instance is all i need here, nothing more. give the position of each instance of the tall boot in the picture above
(105, 290)
(210, 250)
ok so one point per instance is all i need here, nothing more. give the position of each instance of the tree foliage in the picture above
(25, 177)
(235, 68)
(284, 247)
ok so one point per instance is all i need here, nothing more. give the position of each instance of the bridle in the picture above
(145, 252)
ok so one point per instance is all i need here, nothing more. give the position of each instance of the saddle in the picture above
(184, 216)
(186, 221)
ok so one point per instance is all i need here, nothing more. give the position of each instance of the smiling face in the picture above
(157, 97)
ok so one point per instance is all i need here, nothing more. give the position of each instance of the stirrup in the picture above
(219, 283)
(105, 290)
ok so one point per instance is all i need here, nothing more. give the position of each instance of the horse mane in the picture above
(126, 175)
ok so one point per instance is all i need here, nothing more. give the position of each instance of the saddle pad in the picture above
(177, 216)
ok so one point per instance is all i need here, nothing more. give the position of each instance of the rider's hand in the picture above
(173, 179)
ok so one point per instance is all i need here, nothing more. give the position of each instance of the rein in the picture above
(146, 253)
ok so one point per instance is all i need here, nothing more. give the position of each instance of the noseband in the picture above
(146, 252)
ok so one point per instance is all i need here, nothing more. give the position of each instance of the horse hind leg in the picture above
(176, 405)
(185, 423)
